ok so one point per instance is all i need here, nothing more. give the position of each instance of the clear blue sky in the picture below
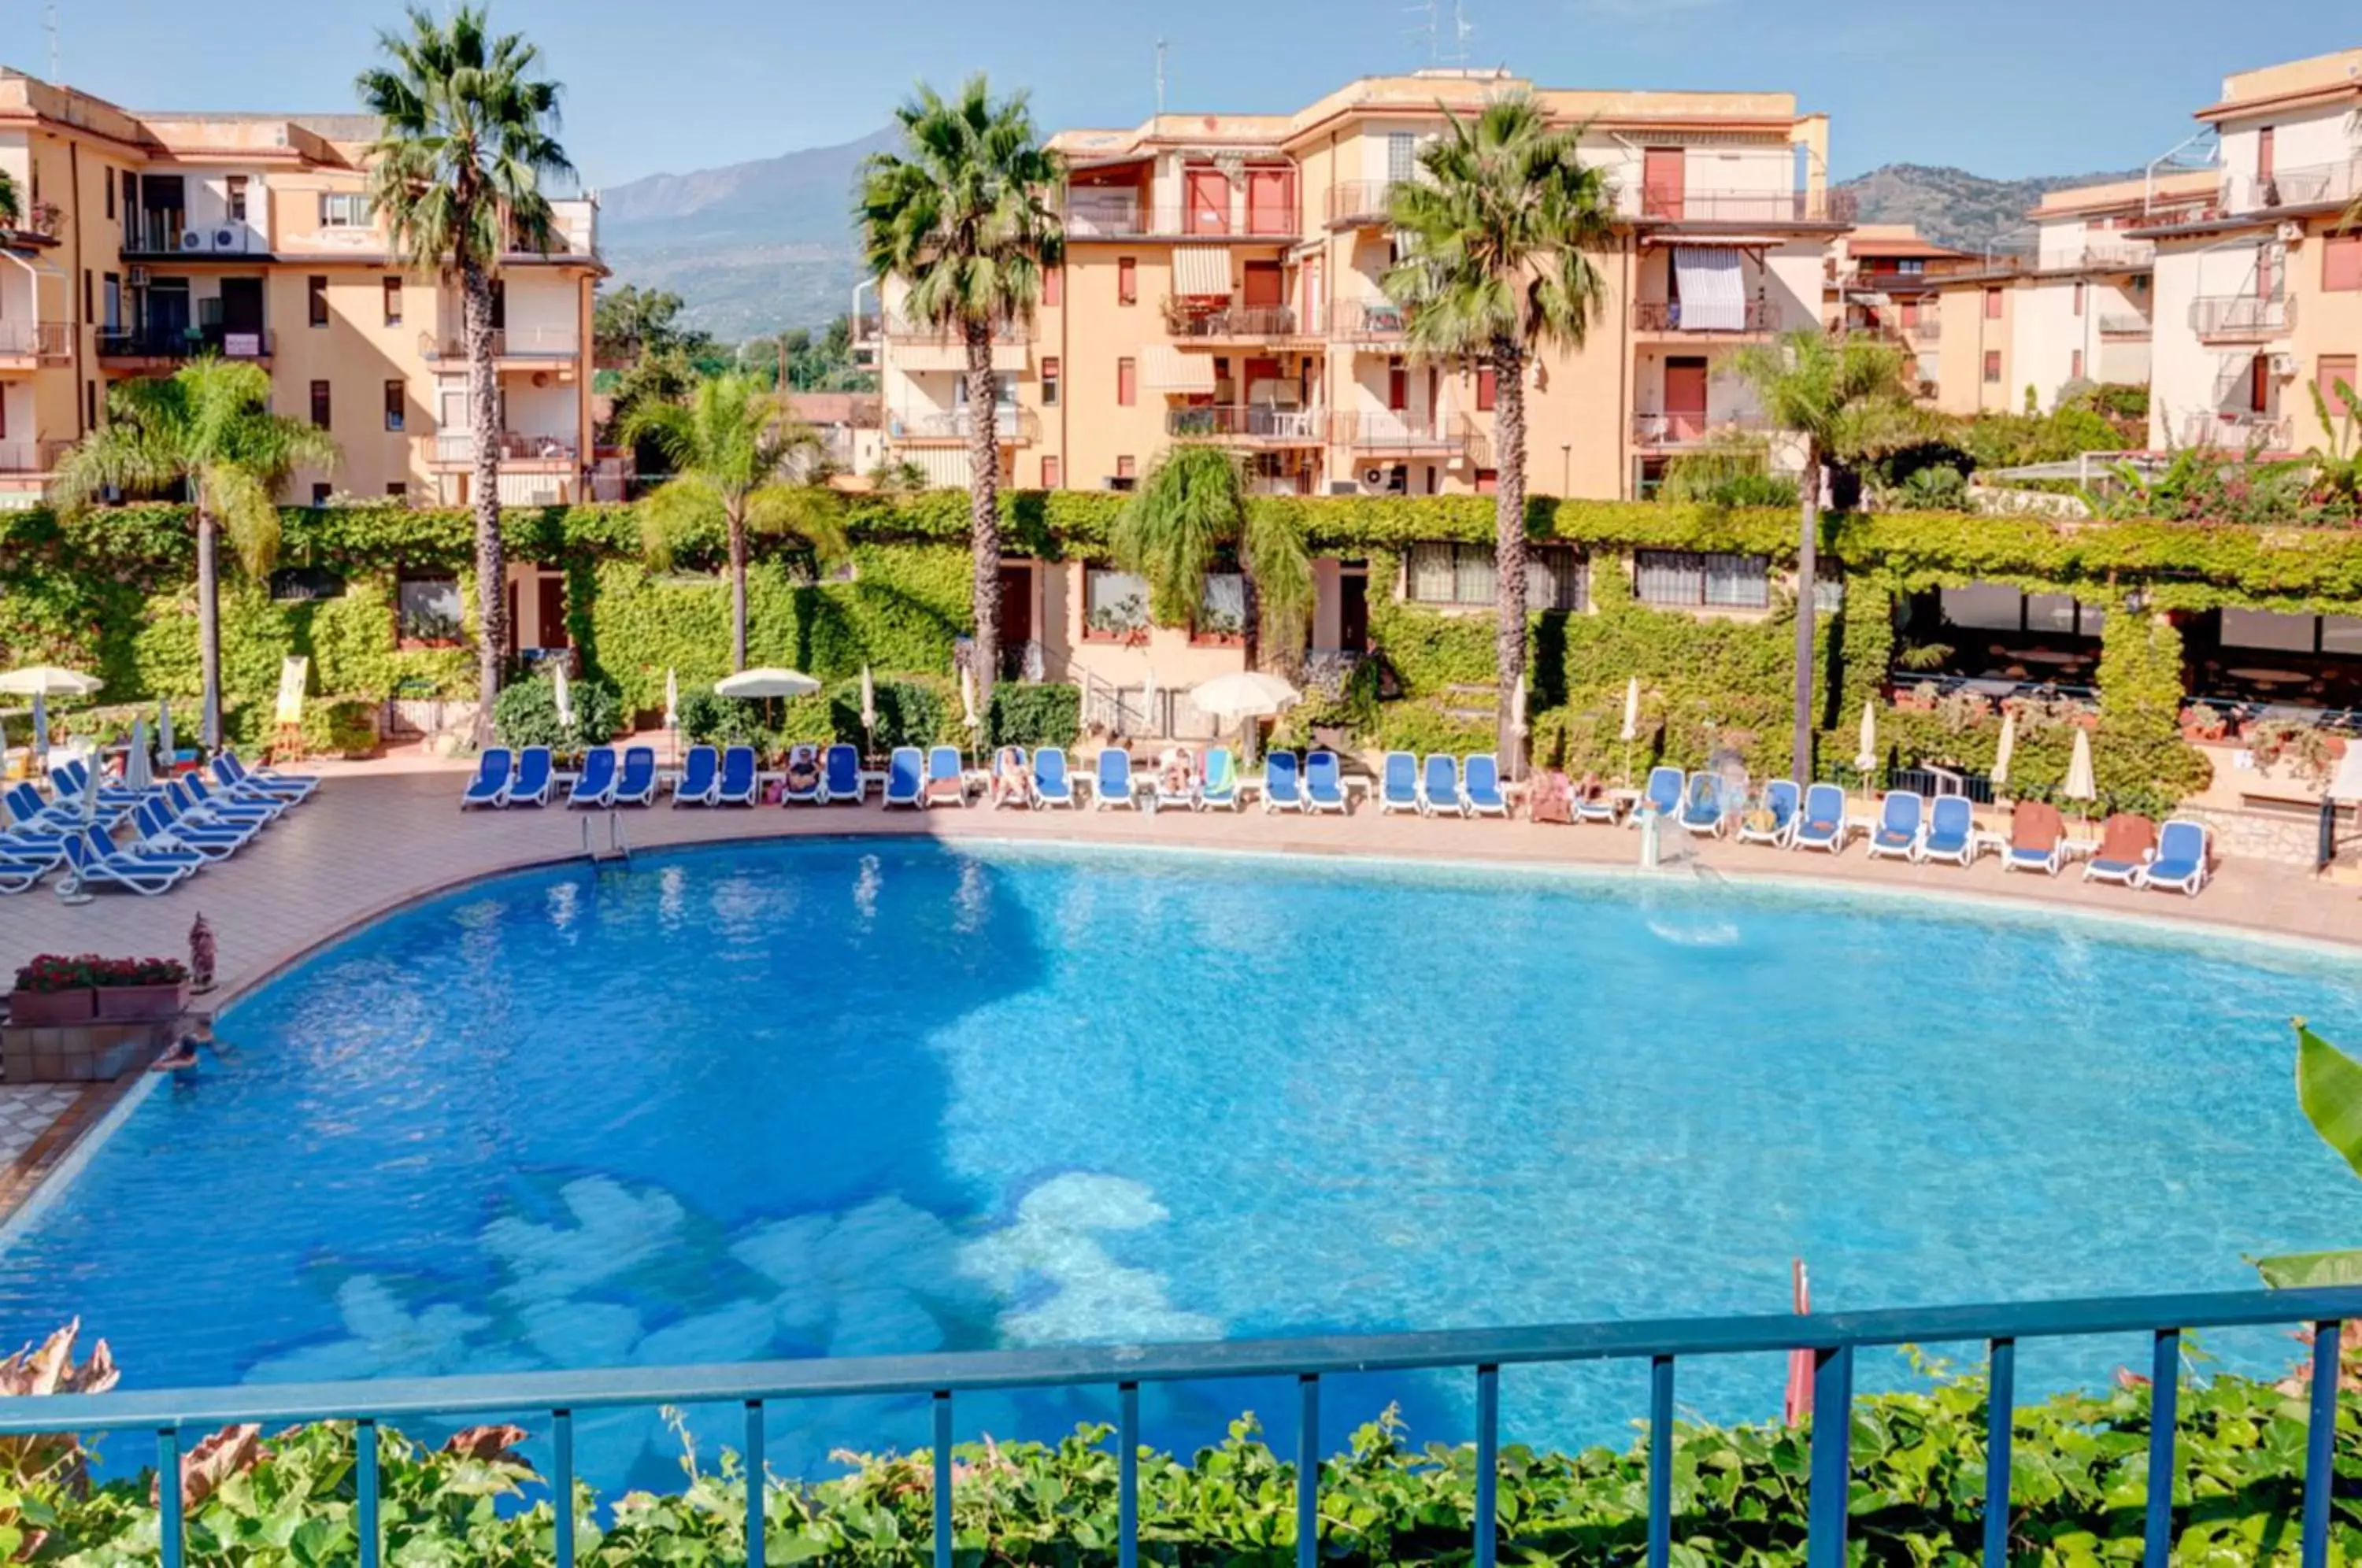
(2000, 87)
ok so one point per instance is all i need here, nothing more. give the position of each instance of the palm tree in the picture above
(733, 449)
(208, 428)
(962, 217)
(1501, 233)
(1190, 509)
(464, 148)
(11, 212)
(1845, 399)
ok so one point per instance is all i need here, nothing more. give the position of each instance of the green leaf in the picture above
(2293, 1271)
(2329, 1087)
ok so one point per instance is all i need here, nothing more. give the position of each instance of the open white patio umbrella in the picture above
(45, 680)
(2079, 785)
(767, 682)
(1242, 698)
(136, 773)
(561, 696)
(2005, 747)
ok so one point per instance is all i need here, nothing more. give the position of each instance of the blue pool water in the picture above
(842, 1098)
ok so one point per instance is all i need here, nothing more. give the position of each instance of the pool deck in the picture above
(375, 838)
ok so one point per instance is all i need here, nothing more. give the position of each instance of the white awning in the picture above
(1201, 271)
(1713, 296)
(1170, 370)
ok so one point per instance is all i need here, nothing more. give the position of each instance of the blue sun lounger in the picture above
(1480, 786)
(905, 778)
(1821, 820)
(535, 775)
(839, 776)
(1324, 786)
(637, 784)
(1951, 831)
(19, 873)
(1439, 787)
(701, 778)
(1896, 837)
(1663, 794)
(1111, 784)
(2180, 863)
(1053, 784)
(738, 785)
(1702, 804)
(1397, 783)
(1781, 798)
(97, 862)
(159, 832)
(594, 788)
(194, 791)
(1220, 787)
(1283, 785)
(489, 787)
(30, 813)
(293, 787)
(946, 777)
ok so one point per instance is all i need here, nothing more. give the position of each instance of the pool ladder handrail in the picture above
(618, 848)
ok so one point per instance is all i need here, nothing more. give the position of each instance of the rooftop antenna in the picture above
(1160, 78)
(1460, 29)
(1426, 22)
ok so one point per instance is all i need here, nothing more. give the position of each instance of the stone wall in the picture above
(2291, 837)
(80, 1053)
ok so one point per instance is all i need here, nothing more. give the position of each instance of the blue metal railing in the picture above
(1832, 1337)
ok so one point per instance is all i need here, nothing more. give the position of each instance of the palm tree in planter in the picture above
(1846, 399)
(464, 148)
(1191, 510)
(206, 429)
(963, 217)
(733, 451)
(1500, 234)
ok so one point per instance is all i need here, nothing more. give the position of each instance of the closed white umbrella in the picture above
(2079, 785)
(767, 682)
(40, 679)
(968, 700)
(561, 696)
(868, 700)
(1148, 702)
(136, 774)
(2005, 747)
(1867, 757)
(672, 699)
(164, 747)
(1517, 707)
(1632, 710)
(40, 728)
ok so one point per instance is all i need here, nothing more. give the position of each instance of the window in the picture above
(1557, 578)
(1996, 607)
(90, 405)
(2341, 262)
(130, 194)
(236, 183)
(1054, 288)
(1052, 375)
(321, 491)
(1398, 386)
(393, 302)
(2262, 629)
(1992, 305)
(320, 404)
(1489, 482)
(1050, 474)
(1488, 390)
(394, 405)
(1685, 578)
(1453, 574)
(1828, 592)
(316, 297)
(109, 185)
(1115, 604)
(1127, 281)
(2264, 153)
(1126, 468)
(341, 211)
(1221, 609)
(427, 609)
(2079, 299)
(2259, 385)
(89, 295)
(1992, 365)
(1911, 266)
(306, 585)
(111, 296)
(395, 489)
(1127, 383)
(1402, 156)
(2075, 366)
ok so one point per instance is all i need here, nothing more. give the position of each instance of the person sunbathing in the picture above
(1180, 771)
(1009, 784)
(804, 770)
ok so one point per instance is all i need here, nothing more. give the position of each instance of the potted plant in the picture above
(139, 990)
(52, 990)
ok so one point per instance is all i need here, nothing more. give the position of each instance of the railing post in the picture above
(168, 1496)
(1127, 1476)
(943, 1478)
(2164, 1388)
(1488, 1446)
(2001, 1400)
(561, 1483)
(1661, 1461)
(365, 1490)
(1832, 1468)
(2320, 1442)
(756, 1462)
(1308, 1470)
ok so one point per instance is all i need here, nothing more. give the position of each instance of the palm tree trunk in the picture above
(1808, 486)
(484, 426)
(984, 508)
(737, 589)
(1250, 613)
(1509, 546)
(208, 625)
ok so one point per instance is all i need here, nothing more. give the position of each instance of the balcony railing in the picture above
(1352, 202)
(187, 343)
(1266, 426)
(32, 457)
(1665, 315)
(2241, 315)
(513, 447)
(1104, 218)
(1236, 321)
(1397, 433)
(1690, 429)
(1012, 425)
(521, 343)
(1747, 206)
(2125, 323)
(2313, 184)
(921, 334)
(50, 340)
(158, 232)
(2235, 431)
(1367, 321)
(2100, 256)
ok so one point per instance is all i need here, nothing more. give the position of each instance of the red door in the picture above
(1265, 288)
(1398, 387)
(1210, 201)
(550, 607)
(1910, 312)
(1270, 201)
(1660, 183)
(1685, 398)
(1016, 612)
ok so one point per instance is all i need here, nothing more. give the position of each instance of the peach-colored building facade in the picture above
(149, 237)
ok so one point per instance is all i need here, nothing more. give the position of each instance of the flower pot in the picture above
(48, 1010)
(142, 1004)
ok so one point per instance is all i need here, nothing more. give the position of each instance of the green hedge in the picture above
(1049, 713)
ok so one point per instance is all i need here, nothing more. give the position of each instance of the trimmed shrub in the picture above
(1048, 713)
(526, 714)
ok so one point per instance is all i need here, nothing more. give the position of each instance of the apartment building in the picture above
(1884, 279)
(150, 237)
(2257, 294)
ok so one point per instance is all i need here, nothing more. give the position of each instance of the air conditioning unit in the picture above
(2284, 365)
(225, 239)
(192, 240)
(136, 275)
(1373, 475)
(1123, 481)
(1343, 487)
(2291, 232)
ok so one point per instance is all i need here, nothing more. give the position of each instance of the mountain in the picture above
(751, 247)
(1953, 206)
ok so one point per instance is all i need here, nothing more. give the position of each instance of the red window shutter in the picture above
(1488, 390)
(1489, 482)
(2264, 152)
(1050, 475)
(1397, 388)
(1127, 383)
(2075, 366)
(1992, 305)
(1054, 288)
(1127, 281)
(2341, 261)
(2079, 299)
(2260, 385)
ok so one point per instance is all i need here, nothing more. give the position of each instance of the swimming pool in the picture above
(848, 1098)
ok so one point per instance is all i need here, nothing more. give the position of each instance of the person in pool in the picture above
(183, 1054)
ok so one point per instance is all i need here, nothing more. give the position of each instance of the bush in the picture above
(340, 726)
(1034, 714)
(1932, 489)
(526, 714)
(709, 720)
(909, 714)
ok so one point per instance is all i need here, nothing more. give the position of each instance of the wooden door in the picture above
(1208, 202)
(1353, 612)
(1685, 398)
(1661, 181)
(549, 610)
(1016, 608)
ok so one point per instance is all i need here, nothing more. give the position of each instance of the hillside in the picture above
(1956, 207)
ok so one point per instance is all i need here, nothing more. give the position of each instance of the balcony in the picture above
(542, 344)
(1090, 216)
(2126, 325)
(1250, 426)
(1665, 316)
(32, 457)
(185, 343)
(902, 331)
(1017, 426)
(27, 344)
(2311, 185)
(457, 448)
(1657, 432)
(1367, 321)
(1360, 203)
(2240, 317)
(1742, 207)
(1403, 434)
(160, 233)
(2100, 256)
(1235, 323)
(2235, 431)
